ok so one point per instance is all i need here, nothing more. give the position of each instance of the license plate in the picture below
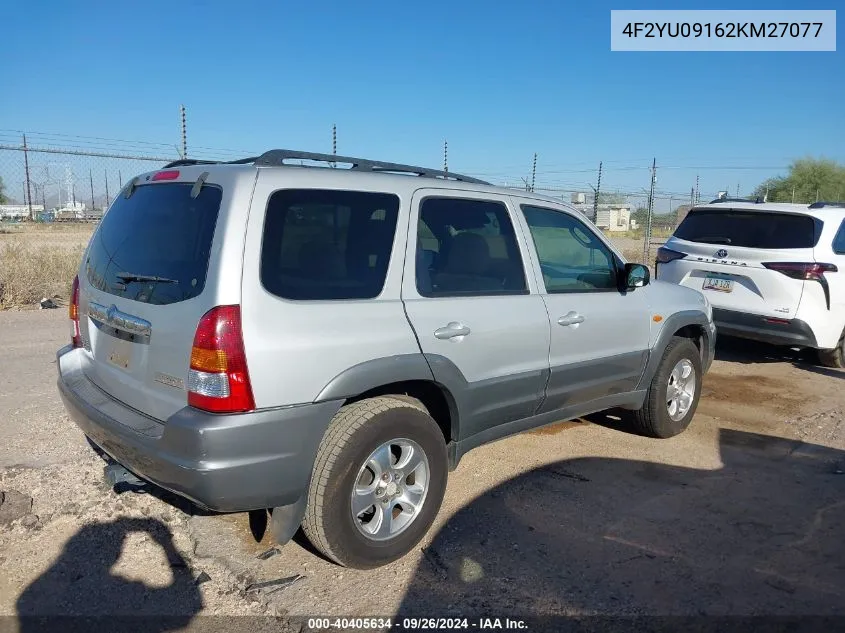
(120, 356)
(719, 284)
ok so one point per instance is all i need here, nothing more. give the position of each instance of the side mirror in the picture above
(636, 276)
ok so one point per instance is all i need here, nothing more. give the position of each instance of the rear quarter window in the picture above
(750, 229)
(327, 244)
(158, 232)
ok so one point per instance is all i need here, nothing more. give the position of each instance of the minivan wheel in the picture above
(674, 392)
(833, 357)
(377, 484)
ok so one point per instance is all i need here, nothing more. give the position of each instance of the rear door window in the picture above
(327, 244)
(154, 246)
(751, 229)
(467, 247)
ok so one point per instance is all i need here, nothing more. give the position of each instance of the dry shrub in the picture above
(29, 273)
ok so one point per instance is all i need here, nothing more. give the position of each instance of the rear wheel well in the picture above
(433, 397)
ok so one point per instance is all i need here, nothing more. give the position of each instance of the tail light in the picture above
(810, 272)
(218, 379)
(807, 272)
(73, 313)
(666, 255)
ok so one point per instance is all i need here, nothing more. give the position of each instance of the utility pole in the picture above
(691, 196)
(120, 179)
(596, 197)
(737, 190)
(647, 243)
(334, 144)
(697, 191)
(108, 199)
(534, 171)
(446, 156)
(184, 132)
(26, 169)
(91, 180)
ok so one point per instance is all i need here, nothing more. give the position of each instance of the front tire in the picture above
(674, 392)
(377, 484)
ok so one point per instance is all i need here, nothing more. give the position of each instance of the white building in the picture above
(614, 217)
(18, 211)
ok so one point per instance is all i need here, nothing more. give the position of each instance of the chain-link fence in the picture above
(60, 185)
(76, 181)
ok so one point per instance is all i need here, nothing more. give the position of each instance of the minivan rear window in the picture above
(751, 229)
(154, 246)
(323, 244)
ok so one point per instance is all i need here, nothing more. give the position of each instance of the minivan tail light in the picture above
(800, 270)
(806, 271)
(218, 379)
(666, 255)
(73, 313)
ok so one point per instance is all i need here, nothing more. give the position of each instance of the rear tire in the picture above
(834, 358)
(677, 383)
(352, 463)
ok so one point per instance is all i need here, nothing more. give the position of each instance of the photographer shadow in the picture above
(81, 592)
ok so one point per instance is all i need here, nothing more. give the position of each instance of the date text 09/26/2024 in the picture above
(415, 624)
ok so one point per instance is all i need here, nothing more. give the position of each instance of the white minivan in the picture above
(773, 272)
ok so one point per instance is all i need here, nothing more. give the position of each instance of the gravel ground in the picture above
(742, 514)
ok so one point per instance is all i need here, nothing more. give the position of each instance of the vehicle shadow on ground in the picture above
(81, 583)
(737, 350)
(599, 536)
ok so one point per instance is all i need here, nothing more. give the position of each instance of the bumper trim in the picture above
(226, 463)
(794, 333)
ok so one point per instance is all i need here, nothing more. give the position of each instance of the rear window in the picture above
(752, 229)
(154, 246)
(327, 244)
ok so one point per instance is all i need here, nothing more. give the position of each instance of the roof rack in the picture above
(195, 161)
(822, 205)
(276, 157)
(757, 200)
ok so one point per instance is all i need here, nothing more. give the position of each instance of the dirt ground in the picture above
(741, 515)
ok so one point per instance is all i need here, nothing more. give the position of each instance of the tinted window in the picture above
(753, 229)
(839, 240)
(467, 247)
(321, 244)
(572, 258)
(159, 231)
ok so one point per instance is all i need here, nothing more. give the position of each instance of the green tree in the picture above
(3, 198)
(808, 180)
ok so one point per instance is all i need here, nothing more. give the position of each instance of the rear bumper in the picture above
(226, 463)
(794, 332)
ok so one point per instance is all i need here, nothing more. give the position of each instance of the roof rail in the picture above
(822, 205)
(276, 157)
(757, 200)
(195, 161)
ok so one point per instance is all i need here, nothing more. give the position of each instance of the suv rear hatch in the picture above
(731, 255)
(140, 286)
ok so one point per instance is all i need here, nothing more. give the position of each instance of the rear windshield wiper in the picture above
(129, 277)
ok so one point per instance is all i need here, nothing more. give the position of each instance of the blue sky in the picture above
(499, 81)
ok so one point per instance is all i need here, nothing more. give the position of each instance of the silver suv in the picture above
(328, 343)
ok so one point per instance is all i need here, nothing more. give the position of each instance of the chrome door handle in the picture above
(451, 331)
(571, 318)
